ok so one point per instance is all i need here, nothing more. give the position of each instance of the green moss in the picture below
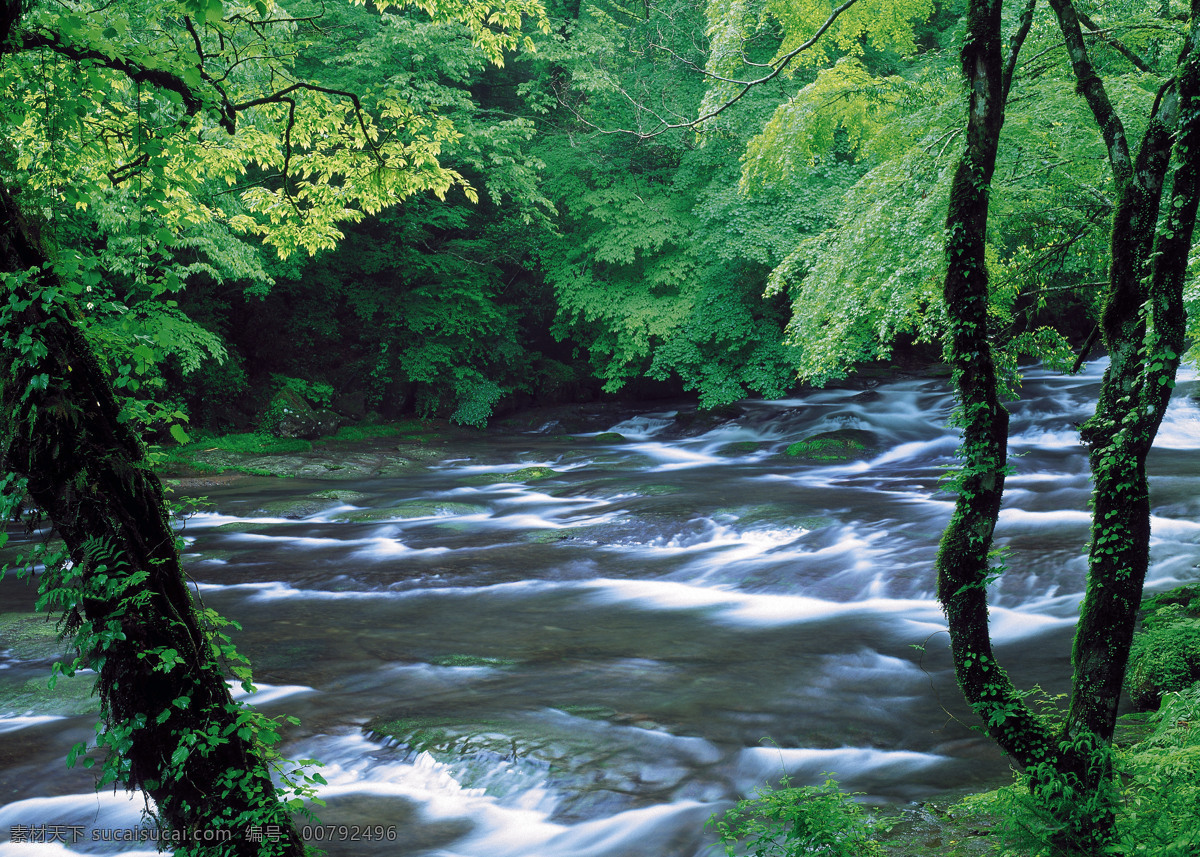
(841, 445)
(589, 712)
(610, 437)
(409, 430)
(741, 447)
(471, 661)
(657, 490)
(548, 537)
(415, 509)
(525, 474)
(1165, 655)
(420, 734)
(249, 443)
(443, 739)
(340, 496)
(70, 695)
(30, 636)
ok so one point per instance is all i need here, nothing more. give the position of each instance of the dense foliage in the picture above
(574, 244)
(248, 210)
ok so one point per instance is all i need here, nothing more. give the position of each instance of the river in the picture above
(591, 664)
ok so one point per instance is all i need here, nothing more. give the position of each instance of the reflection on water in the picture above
(594, 662)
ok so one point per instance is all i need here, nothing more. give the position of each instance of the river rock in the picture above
(415, 509)
(289, 416)
(838, 445)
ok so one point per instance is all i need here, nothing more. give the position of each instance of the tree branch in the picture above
(746, 85)
(1014, 46)
(1138, 63)
(193, 101)
(1091, 87)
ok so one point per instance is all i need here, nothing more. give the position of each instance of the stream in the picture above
(592, 664)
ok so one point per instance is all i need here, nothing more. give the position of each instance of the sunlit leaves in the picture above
(495, 26)
(868, 23)
(845, 98)
(117, 103)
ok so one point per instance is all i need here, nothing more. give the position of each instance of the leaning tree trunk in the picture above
(170, 724)
(1143, 327)
(964, 561)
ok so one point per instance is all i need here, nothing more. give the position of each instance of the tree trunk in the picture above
(170, 724)
(1143, 327)
(964, 557)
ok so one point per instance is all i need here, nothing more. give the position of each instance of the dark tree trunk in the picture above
(964, 557)
(1143, 328)
(167, 709)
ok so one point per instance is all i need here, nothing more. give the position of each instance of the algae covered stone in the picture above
(525, 474)
(415, 509)
(839, 445)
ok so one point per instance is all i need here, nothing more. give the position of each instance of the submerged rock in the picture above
(30, 636)
(610, 437)
(838, 445)
(415, 509)
(525, 474)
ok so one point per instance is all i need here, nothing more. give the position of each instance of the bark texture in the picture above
(964, 557)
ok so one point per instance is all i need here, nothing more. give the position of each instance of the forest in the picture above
(229, 223)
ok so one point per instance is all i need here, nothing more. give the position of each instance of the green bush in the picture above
(1165, 655)
(1161, 811)
(316, 393)
(789, 821)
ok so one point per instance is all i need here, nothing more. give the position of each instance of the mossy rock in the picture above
(442, 739)
(239, 527)
(1164, 656)
(939, 827)
(739, 448)
(471, 661)
(549, 537)
(1134, 727)
(657, 490)
(590, 712)
(341, 496)
(30, 636)
(839, 445)
(525, 474)
(1187, 597)
(610, 437)
(295, 507)
(566, 534)
(70, 695)
(415, 509)
(774, 513)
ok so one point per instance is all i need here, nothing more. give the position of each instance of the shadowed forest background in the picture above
(598, 261)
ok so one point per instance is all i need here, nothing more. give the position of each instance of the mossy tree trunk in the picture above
(170, 724)
(1143, 327)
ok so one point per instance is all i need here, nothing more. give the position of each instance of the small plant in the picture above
(789, 821)
(316, 393)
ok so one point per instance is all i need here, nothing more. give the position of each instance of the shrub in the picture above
(1165, 655)
(789, 821)
(1160, 815)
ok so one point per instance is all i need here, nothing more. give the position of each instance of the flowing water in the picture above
(590, 665)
